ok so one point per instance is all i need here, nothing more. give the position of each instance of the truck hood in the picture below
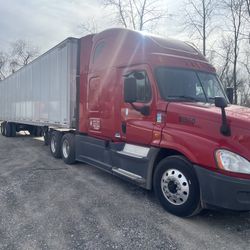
(204, 120)
(237, 116)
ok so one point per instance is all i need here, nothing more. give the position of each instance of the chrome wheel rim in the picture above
(65, 149)
(175, 186)
(53, 144)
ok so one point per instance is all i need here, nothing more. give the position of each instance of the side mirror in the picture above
(145, 110)
(230, 94)
(220, 102)
(130, 90)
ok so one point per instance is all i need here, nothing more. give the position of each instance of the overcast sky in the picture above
(47, 22)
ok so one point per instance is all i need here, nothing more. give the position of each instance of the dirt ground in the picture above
(45, 204)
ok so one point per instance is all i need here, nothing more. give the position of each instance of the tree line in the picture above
(19, 54)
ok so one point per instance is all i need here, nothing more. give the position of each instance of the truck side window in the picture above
(93, 94)
(143, 86)
(98, 50)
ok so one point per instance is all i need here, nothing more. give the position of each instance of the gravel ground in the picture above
(45, 204)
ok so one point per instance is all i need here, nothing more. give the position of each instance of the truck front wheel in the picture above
(176, 186)
(68, 148)
(55, 144)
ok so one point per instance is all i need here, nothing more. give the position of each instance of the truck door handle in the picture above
(124, 127)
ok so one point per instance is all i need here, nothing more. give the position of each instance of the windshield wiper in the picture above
(183, 97)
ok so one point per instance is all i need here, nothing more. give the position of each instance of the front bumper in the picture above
(218, 190)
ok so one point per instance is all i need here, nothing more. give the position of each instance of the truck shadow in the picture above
(240, 221)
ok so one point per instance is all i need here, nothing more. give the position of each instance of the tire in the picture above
(68, 148)
(46, 138)
(3, 124)
(55, 144)
(177, 187)
(8, 129)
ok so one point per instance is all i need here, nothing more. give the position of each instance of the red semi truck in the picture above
(149, 110)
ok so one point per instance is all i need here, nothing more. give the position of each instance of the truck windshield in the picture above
(188, 85)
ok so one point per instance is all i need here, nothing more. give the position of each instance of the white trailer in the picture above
(43, 93)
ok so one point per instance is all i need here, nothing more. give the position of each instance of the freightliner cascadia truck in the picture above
(147, 109)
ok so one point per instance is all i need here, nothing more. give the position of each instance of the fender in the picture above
(196, 148)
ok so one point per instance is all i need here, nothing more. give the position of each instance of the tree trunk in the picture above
(204, 27)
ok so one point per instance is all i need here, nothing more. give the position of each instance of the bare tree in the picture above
(247, 3)
(90, 26)
(247, 62)
(137, 14)
(3, 65)
(248, 7)
(21, 54)
(224, 54)
(244, 90)
(235, 9)
(198, 19)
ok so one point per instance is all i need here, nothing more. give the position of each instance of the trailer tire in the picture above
(55, 144)
(68, 148)
(46, 138)
(8, 129)
(3, 124)
(177, 187)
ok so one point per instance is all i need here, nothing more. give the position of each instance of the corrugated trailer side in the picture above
(43, 93)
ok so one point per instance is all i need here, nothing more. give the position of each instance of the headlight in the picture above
(232, 162)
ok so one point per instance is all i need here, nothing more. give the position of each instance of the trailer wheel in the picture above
(176, 186)
(68, 148)
(55, 144)
(46, 138)
(8, 129)
(3, 124)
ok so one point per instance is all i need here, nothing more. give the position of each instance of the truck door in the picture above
(137, 126)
